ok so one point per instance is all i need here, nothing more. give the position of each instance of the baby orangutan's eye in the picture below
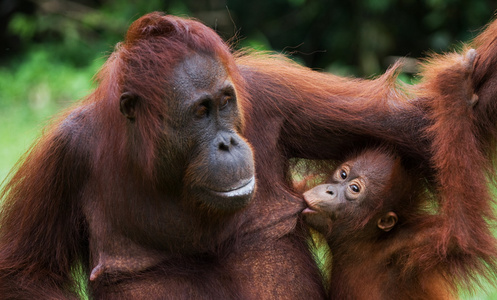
(355, 188)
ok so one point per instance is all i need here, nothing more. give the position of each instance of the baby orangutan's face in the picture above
(357, 182)
(327, 202)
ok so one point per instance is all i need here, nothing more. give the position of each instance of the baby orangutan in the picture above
(370, 212)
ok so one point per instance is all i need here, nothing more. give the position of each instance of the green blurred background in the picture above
(50, 49)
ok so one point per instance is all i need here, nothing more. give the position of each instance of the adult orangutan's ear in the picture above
(388, 221)
(127, 105)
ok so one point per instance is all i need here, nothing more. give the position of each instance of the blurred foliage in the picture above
(354, 37)
(51, 48)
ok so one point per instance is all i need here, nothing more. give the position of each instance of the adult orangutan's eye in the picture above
(202, 111)
(225, 100)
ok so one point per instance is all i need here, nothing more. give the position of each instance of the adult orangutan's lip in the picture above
(245, 189)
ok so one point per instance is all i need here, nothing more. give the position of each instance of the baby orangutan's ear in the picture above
(388, 221)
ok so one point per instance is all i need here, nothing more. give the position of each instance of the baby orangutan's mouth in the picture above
(308, 211)
(311, 205)
(315, 211)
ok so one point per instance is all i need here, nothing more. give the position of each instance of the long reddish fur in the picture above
(289, 111)
(461, 106)
(455, 246)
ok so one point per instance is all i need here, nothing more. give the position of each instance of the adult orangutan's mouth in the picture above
(244, 189)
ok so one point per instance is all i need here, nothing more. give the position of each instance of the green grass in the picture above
(40, 86)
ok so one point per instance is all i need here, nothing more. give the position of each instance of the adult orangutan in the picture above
(146, 187)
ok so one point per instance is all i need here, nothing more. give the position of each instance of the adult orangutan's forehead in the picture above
(199, 72)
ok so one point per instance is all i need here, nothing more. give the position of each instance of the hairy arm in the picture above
(40, 220)
(320, 114)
